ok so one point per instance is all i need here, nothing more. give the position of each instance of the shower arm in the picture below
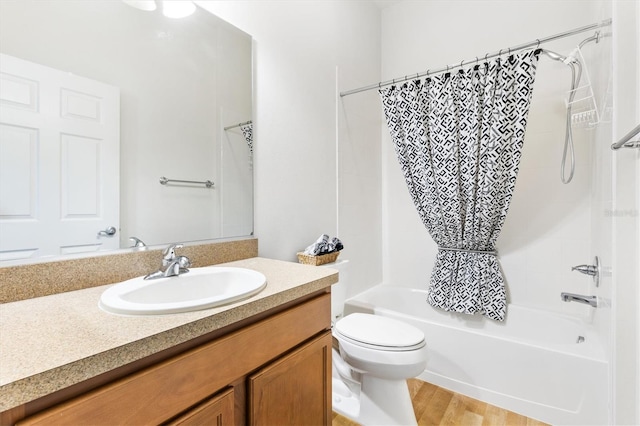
(596, 37)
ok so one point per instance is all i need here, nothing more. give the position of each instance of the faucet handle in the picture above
(591, 270)
(169, 253)
(184, 262)
(585, 269)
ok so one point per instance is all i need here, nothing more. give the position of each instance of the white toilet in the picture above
(377, 355)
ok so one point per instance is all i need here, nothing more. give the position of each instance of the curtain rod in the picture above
(473, 61)
(237, 125)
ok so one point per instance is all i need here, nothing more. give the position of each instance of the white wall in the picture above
(547, 229)
(601, 187)
(297, 47)
(624, 208)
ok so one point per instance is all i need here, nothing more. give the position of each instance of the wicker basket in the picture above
(317, 260)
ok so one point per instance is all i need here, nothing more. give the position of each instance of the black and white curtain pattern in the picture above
(459, 137)
(247, 132)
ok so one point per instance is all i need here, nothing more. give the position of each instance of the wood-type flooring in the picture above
(437, 406)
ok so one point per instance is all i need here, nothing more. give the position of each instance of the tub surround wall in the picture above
(42, 279)
(600, 69)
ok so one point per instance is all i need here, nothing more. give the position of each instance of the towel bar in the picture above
(165, 181)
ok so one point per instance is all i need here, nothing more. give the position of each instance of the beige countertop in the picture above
(52, 342)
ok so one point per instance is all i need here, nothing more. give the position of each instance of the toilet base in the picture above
(374, 401)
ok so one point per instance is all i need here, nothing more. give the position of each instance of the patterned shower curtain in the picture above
(458, 137)
(247, 132)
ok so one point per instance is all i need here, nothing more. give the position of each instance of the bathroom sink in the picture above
(200, 288)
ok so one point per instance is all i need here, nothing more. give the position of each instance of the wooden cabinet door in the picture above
(216, 411)
(295, 389)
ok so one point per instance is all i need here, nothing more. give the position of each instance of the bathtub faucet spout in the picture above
(572, 297)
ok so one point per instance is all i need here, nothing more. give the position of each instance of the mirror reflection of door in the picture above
(56, 207)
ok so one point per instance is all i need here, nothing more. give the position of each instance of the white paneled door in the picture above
(59, 162)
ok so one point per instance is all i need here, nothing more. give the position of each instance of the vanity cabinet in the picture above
(216, 411)
(276, 369)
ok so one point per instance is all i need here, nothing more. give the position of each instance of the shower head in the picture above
(568, 60)
(553, 55)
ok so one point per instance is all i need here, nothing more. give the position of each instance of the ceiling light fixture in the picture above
(177, 8)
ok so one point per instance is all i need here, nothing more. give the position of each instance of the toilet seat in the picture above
(379, 333)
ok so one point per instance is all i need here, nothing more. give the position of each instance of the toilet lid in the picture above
(379, 331)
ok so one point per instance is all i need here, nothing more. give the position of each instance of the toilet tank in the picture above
(339, 289)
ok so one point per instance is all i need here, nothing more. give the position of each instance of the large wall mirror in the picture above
(100, 101)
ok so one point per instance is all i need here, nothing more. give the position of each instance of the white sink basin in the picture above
(200, 288)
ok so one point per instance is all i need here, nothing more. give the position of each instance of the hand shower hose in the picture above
(568, 134)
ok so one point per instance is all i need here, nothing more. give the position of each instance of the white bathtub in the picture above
(530, 364)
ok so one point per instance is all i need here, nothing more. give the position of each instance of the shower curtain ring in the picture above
(509, 54)
(538, 45)
(461, 63)
(485, 56)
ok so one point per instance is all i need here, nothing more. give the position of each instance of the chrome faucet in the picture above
(172, 265)
(572, 297)
(138, 243)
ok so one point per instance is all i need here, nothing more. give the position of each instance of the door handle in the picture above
(109, 232)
